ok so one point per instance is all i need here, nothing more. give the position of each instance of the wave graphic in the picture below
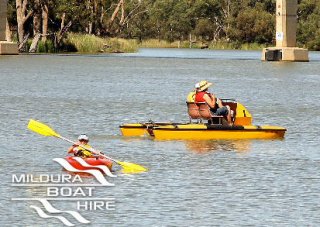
(96, 173)
(51, 209)
(105, 169)
(42, 214)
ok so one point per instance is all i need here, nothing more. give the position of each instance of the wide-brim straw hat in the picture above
(203, 85)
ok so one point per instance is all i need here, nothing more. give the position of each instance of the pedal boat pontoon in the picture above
(216, 128)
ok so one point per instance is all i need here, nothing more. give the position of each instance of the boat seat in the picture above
(193, 111)
(233, 107)
(206, 114)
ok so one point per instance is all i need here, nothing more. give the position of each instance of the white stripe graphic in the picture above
(51, 209)
(44, 215)
(104, 168)
(62, 199)
(96, 173)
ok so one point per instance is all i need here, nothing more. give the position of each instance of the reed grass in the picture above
(46, 47)
(253, 46)
(93, 44)
(223, 45)
(155, 43)
(84, 43)
(215, 45)
(123, 45)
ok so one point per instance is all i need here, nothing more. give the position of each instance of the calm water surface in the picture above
(200, 183)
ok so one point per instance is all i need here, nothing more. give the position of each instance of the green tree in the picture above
(138, 23)
(210, 18)
(236, 21)
(205, 28)
(178, 23)
(252, 25)
(308, 33)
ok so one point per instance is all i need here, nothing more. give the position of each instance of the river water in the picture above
(189, 183)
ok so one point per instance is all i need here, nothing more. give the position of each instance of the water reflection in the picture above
(203, 146)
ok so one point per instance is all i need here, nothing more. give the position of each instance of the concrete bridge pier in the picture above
(5, 46)
(286, 29)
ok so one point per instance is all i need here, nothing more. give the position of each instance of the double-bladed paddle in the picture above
(45, 130)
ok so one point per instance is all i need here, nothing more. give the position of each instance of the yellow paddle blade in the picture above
(131, 167)
(41, 128)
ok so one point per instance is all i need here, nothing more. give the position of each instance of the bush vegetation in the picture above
(110, 25)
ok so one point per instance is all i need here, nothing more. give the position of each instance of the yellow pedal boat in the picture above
(216, 128)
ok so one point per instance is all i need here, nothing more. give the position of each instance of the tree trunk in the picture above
(44, 22)
(226, 15)
(8, 31)
(89, 28)
(61, 33)
(122, 18)
(21, 46)
(35, 41)
(36, 17)
(22, 17)
(114, 15)
(101, 15)
(122, 14)
(89, 8)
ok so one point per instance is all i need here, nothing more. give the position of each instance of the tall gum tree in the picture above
(23, 14)
(45, 17)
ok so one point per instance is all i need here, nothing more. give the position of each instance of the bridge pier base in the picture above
(8, 48)
(285, 54)
(286, 29)
(5, 46)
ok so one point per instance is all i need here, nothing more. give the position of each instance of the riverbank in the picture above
(213, 45)
(93, 44)
(84, 44)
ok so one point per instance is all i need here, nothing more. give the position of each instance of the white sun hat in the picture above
(83, 137)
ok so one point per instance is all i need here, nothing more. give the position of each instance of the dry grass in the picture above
(155, 43)
(93, 44)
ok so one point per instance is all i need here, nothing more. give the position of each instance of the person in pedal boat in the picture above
(78, 151)
(215, 104)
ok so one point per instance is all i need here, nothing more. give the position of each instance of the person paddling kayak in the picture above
(79, 151)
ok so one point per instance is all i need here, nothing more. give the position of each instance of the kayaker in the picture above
(75, 149)
(215, 104)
